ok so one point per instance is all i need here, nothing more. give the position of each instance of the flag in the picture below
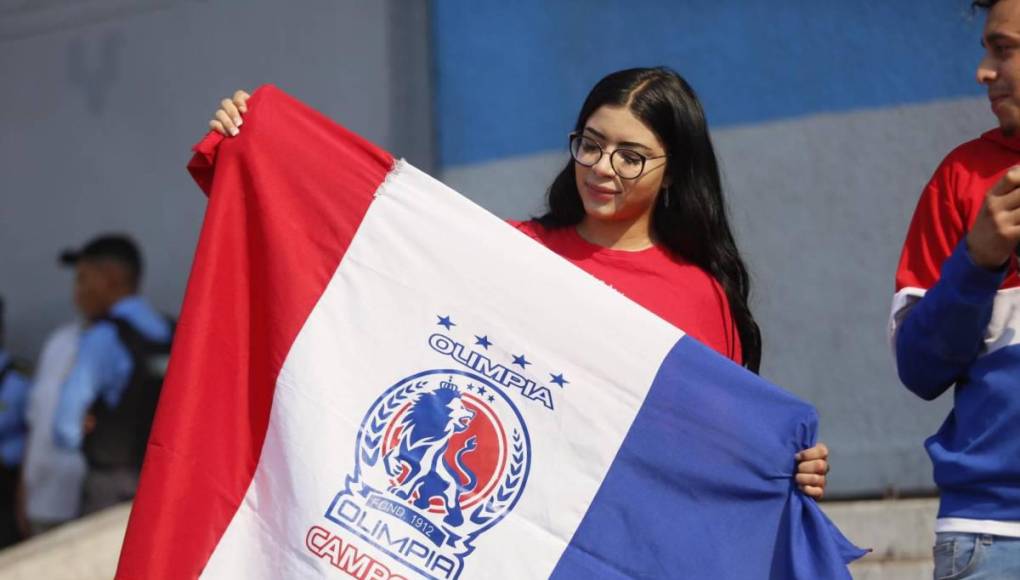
(374, 378)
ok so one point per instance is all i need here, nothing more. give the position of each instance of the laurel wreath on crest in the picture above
(504, 496)
(377, 424)
(488, 510)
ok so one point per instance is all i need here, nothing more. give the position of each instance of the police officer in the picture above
(108, 401)
(14, 387)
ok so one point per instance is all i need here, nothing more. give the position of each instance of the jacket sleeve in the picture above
(942, 333)
(943, 300)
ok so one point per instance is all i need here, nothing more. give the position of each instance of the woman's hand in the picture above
(227, 120)
(812, 467)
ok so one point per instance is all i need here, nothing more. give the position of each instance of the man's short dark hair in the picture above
(116, 247)
(983, 4)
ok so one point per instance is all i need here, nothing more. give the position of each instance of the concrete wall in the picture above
(102, 100)
(828, 119)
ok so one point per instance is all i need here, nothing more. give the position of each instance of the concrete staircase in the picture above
(86, 549)
(900, 533)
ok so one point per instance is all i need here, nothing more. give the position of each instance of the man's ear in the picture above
(116, 276)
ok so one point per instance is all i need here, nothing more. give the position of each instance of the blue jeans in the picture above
(976, 557)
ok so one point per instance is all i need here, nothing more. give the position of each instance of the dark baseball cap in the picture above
(107, 247)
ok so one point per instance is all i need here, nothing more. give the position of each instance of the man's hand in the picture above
(88, 424)
(996, 231)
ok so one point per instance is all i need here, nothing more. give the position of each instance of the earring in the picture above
(664, 192)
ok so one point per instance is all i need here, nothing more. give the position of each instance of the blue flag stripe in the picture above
(708, 467)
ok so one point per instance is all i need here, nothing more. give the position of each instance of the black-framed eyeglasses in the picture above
(627, 163)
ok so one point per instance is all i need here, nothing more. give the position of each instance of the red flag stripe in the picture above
(261, 265)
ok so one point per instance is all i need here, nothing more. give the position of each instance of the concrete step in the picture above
(903, 570)
(86, 549)
(900, 533)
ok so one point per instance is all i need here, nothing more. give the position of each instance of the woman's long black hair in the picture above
(689, 217)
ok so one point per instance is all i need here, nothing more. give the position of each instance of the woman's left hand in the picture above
(812, 467)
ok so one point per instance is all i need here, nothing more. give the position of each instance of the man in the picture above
(955, 321)
(51, 475)
(14, 389)
(109, 398)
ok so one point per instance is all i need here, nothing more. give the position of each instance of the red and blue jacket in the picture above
(955, 324)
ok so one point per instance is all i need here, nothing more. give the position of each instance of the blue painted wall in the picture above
(510, 76)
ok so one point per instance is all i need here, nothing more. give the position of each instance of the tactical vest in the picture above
(121, 432)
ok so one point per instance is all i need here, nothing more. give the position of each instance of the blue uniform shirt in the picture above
(13, 401)
(103, 366)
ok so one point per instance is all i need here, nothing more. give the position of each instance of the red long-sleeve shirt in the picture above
(676, 290)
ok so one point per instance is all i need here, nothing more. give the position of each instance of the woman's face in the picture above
(606, 196)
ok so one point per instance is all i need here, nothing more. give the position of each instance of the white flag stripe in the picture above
(424, 251)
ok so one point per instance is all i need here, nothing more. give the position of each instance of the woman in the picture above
(640, 207)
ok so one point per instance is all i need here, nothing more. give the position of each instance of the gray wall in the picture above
(102, 100)
(821, 206)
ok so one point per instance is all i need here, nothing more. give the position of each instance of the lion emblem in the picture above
(419, 460)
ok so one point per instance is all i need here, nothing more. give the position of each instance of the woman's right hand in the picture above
(228, 118)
